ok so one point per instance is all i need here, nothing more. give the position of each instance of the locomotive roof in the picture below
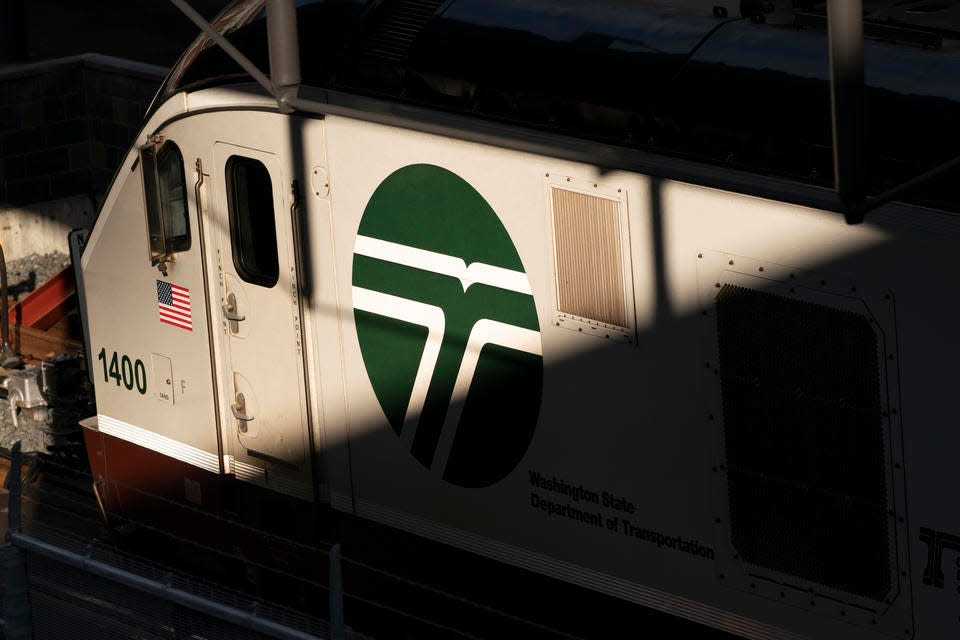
(669, 76)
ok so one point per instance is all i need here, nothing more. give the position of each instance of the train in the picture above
(684, 382)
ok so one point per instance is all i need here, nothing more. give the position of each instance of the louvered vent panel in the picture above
(395, 27)
(589, 257)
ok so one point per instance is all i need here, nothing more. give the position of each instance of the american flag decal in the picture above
(173, 302)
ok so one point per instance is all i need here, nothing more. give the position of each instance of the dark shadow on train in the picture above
(803, 422)
(807, 389)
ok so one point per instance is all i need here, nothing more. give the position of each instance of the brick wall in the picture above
(65, 125)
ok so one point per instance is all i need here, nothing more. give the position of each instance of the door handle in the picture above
(230, 309)
(239, 410)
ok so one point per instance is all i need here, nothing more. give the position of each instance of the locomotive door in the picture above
(263, 373)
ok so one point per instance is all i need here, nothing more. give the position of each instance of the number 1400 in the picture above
(130, 373)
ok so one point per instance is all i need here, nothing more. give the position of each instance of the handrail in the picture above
(228, 48)
(244, 619)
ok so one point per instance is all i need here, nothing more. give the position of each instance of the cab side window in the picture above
(165, 189)
(253, 230)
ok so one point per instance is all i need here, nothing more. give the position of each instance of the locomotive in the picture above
(684, 380)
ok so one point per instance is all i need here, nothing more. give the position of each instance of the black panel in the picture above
(804, 439)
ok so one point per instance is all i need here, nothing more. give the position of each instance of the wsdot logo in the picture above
(447, 325)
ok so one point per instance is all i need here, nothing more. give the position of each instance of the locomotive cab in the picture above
(207, 208)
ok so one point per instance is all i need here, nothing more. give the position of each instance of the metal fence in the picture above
(57, 585)
(68, 576)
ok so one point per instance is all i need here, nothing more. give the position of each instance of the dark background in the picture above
(66, 122)
(152, 31)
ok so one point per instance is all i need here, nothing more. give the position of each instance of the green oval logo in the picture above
(447, 325)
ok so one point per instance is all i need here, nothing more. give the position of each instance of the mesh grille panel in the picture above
(588, 256)
(804, 440)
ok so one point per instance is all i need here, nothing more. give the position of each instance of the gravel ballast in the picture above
(23, 276)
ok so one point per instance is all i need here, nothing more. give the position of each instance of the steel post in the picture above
(17, 614)
(284, 47)
(17, 620)
(845, 22)
(12, 485)
(337, 630)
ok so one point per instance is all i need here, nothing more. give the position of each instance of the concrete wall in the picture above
(65, 126)
(43, 227)
(152, 31)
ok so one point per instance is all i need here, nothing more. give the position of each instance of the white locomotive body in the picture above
(688, 386)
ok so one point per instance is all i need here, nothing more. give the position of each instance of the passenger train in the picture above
(684, 381)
